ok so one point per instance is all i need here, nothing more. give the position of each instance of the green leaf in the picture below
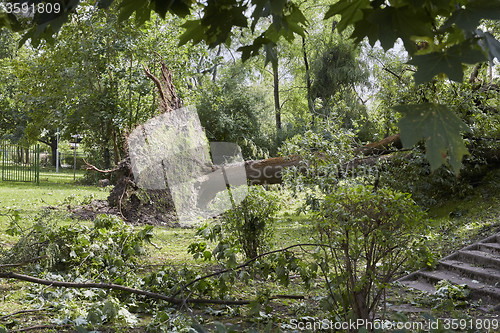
(128, 7)
(271, 54)
(103, 4)
(491, 44)
(277, 6)
(404, 22)
(194, 31)
(248, 51)
(198, 328)
(254, 307)
(468, 18)
(79, 329)
(350, 10)
(440, 127)
(448, 62)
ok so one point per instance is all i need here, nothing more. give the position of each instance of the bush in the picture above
(368, 235)
(413, 174)
(251, 223)
(70, 160)
(247, 228)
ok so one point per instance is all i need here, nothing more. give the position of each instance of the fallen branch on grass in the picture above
(22, 311)
(173, 299)
(246, 264)
(41, 327)
(111, 286)
(24, 262)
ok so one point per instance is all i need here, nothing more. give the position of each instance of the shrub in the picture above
(368, 236)
(250, 224)
(247, 228)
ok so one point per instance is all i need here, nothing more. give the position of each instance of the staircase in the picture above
(477, 266)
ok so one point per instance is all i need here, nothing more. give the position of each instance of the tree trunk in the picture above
(107, 157)
(310, 102)
(277, 106)
(214, 73)
(116, 150)
(52, 143)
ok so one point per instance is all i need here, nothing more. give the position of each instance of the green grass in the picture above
(459, 222)
(55, 190)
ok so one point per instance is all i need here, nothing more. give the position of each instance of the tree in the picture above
(235, 110)
(337, 72)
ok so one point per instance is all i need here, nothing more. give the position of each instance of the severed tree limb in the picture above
(169, 100)
(173, 299)
(22, 311)
(381, 147)
(246, 264)
(93, 167)
(111, 286)
(157, 83)
(41, 327)
(23, 263)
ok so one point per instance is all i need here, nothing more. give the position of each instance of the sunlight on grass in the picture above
(55, 190)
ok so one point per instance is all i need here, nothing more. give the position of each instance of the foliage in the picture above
(450, 296)
(251, 223)
(108, 247)
(368, 235)
(231, 110)
(427, 119)
(325, 154)
(247, 228)
(412, 174)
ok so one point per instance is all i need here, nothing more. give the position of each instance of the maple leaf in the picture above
(440, 127)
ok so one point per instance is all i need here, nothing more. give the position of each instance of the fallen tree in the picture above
(129, 199)
(270, 171)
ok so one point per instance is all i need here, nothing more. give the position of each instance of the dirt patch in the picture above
(143, 216)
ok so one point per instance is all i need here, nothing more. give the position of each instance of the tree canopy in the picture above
(439, 36)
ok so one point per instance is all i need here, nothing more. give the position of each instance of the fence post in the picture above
(37, 165)
(3, 159)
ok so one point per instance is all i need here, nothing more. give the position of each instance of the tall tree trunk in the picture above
(277, 106)
(116, 150)
(52, 143)
(107, 157)
(310, 102)
(214, 73)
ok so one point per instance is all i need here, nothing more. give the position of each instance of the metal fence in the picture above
(21, 164)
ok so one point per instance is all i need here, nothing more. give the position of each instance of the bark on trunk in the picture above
(277, 106)
(52, 143)
(310, 102)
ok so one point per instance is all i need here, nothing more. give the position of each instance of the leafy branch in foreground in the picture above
(438, 125)
(171, 299)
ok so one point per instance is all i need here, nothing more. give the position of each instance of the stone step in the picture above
(479, 258)
(485, 275)
(493, 248)
(478, 289)
(421, 285)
